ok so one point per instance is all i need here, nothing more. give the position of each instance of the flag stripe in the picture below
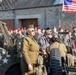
(69, 6)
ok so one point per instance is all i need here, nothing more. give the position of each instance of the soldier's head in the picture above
(61, 29)
(54, 29)
(74, 28)
(55, 38)
(39, 30)
(67, 30)
(19, 32)
(31, 30)
(21, 29)
(48, 33)
(74, 32)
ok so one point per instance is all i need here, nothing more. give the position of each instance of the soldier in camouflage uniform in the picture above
(19, 40)
(61, 37)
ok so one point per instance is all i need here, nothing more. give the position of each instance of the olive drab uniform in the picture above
(62, 49)
(30, 52)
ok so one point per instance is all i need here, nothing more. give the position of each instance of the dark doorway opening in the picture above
(26, 22)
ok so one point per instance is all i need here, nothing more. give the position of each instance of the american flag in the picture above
(69, 6)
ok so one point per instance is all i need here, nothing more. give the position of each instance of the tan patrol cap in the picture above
(30, 26)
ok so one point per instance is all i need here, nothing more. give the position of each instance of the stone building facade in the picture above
(42, 16)
(47, 16)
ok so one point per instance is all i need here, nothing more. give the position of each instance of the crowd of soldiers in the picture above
(41, 35)
(43, 38)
